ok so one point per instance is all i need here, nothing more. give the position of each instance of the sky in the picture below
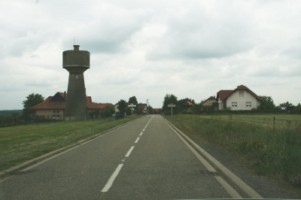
(150, 48)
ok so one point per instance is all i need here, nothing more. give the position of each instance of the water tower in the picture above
(76, 62)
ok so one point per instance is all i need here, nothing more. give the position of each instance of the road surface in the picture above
(144, 159)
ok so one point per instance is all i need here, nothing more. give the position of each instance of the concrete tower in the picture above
(76, 62)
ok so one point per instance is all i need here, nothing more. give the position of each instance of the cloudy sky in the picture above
(150, 48)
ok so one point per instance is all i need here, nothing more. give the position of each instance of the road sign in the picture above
(171, 106)
(132, 106)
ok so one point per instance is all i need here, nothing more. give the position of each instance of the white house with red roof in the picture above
(241, 98)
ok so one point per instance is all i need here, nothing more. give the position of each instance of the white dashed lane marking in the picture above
(111, 180)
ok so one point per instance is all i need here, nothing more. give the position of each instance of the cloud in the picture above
(199, 32)
(108, 30)
(151, 48)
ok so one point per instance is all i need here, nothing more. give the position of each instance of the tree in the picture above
(266, 104)
(10, 118)
(287, 106)
(169, 99)
(185, 105)
(197, 108)
(122, 108)
(31, 100)
(108, 111)
(297, 108)
(133, 100)
(94, 114)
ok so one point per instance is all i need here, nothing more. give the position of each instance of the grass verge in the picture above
(270, 151)
(21, 143)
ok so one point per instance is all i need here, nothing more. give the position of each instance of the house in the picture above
(210, 102)
(95, 110)
(185, 106)
(157, 111)
(54, 107)
(51, 108)
(142, 108)
(241, 98)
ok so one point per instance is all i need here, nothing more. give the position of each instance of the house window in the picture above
(248, 104)
(241, 93)
(234, 104)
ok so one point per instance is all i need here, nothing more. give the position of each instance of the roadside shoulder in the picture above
(267, 187)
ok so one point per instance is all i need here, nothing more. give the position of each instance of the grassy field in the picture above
(271, 144)
(22, 143)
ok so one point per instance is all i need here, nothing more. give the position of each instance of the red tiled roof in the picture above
(55, 103)
(209, 102)
(223, 94)
(141, 106)
(50, 105)
(91, 105)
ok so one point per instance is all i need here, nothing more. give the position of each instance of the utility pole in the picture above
(147, 106)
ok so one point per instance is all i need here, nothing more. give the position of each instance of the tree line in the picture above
(132, 107)
(188, 106)
(185, 106)
(12, 118)
(26, 115)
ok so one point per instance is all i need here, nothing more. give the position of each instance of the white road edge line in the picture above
(111, 180)
(35, 162)
(230, 190)
(235, 179)
(129, 152)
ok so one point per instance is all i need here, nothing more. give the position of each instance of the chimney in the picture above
(76, 47)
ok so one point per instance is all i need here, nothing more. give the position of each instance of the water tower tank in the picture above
(76, 59)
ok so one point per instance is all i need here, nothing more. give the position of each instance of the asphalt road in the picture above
(144, 159)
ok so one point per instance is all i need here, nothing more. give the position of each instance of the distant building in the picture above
(95, 110)
(142, 108)
(241, 98)
(54, 107)
(157, 111)
(210, 103)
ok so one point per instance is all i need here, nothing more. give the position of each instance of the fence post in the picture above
(231, 123)
(274, 122)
